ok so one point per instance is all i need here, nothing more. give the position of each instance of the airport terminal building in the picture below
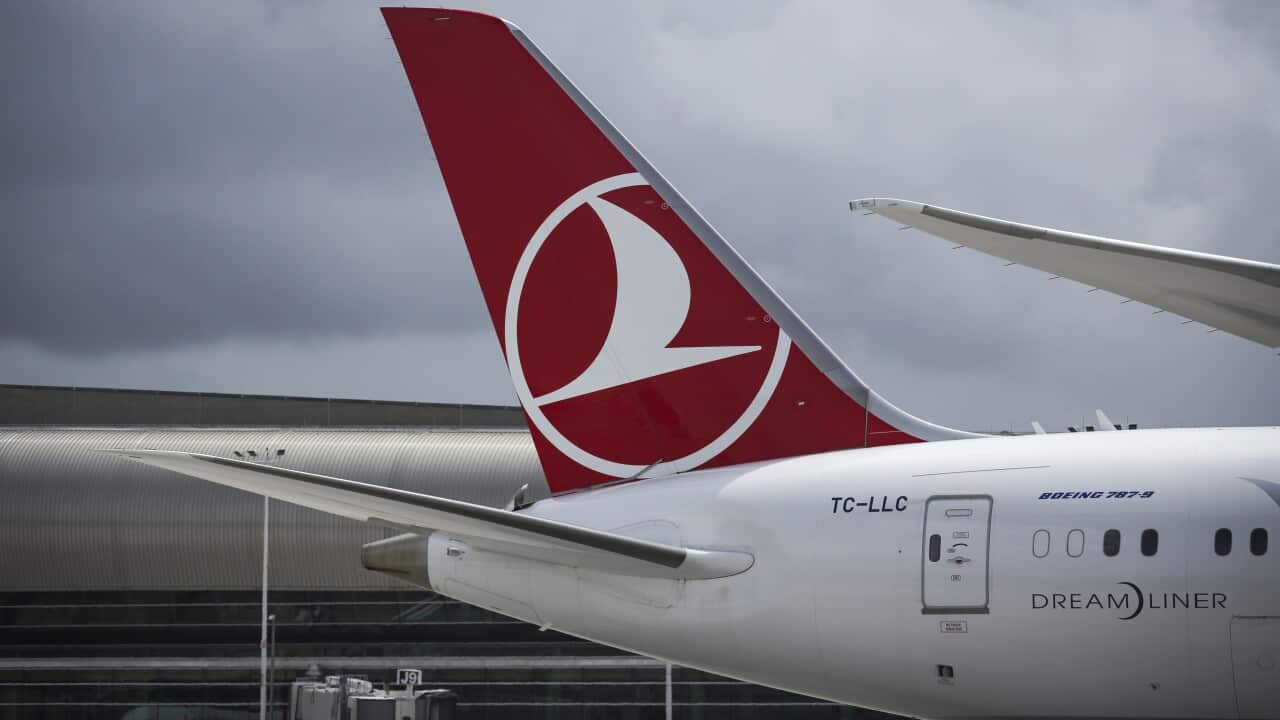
(130, 592)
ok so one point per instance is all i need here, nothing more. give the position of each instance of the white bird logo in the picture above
(653, 298)
(652, 304)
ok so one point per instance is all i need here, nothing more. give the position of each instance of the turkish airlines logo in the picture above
(652, 303)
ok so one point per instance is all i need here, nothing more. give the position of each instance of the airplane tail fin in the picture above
(639, 342)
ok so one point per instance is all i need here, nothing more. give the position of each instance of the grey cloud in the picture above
(200, 181)
(1065, 116)
(179, 180)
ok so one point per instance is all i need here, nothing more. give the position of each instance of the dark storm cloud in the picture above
(176, 179)
(239, 196)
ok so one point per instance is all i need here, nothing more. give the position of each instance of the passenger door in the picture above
(955, 573)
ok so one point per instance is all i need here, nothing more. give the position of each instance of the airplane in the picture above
(729, 496)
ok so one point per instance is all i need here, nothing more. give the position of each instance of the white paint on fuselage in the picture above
(833, 605)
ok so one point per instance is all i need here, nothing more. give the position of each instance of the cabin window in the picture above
(1040, 543)
(1075, 543)
(1150, 542)
(1258, 541)
(1111, 543)
(1222, 541)
(935, 548)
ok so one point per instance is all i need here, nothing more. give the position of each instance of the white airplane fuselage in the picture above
(1014, 607)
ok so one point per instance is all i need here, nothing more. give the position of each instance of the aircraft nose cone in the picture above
(402, 556)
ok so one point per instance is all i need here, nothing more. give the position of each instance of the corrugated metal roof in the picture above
(52, 405)
(75, 519)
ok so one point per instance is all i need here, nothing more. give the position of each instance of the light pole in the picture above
(271, 660)
(262, 689)
(668, 691)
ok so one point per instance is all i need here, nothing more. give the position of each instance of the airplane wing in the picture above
(1241, 297)
(503, 531)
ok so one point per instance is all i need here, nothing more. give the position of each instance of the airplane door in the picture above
(955, 575)
(1255, 659)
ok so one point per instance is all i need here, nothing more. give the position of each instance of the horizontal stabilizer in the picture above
(512, 533)
(1239, 296)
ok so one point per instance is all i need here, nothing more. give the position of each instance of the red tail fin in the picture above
(639, 342)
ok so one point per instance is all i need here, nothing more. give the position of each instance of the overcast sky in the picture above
(239, 196)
